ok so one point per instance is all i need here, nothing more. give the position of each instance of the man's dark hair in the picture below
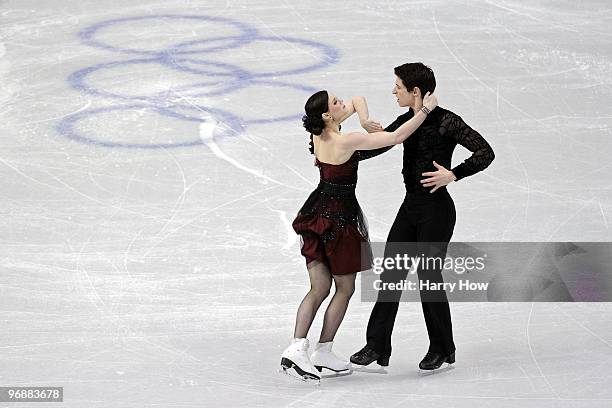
(417, 74)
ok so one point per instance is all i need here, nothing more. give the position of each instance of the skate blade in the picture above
(327, 372)
(443, 368)
(290, 372)
(320, 369)
(375, 369)
(291, 369)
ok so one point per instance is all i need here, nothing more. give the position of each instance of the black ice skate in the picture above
(433, 361)
(367, 355)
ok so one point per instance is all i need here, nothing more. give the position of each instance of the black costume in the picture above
(426, 217)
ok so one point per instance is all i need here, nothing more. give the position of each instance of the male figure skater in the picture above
(426, 218)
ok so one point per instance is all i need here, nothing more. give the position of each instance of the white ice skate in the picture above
(295, 361)
(324, 357)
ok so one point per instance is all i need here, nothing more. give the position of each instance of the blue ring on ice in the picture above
(78, 80)
(246, 32)
(67, 126)
(225, 78)
(330, 55)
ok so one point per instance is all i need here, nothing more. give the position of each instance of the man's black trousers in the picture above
(427, 219)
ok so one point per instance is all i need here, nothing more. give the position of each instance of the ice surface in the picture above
(142, 264)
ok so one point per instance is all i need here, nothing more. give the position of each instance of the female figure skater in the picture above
(331, 224)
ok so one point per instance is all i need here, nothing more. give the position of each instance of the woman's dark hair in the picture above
(417, 74)
(313, 122)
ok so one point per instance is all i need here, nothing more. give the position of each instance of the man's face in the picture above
(403, 95)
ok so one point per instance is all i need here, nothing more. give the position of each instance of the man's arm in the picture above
(482, 153)
(368, 154)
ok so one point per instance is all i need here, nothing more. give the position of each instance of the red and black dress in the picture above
(331, 224)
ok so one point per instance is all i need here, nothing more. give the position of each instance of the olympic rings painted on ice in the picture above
(192, 57)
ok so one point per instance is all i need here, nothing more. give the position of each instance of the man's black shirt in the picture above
(436, 139)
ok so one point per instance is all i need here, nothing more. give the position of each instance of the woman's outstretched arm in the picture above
(368, 154)
(365, 141)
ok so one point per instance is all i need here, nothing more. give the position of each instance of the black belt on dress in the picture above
(336, 189)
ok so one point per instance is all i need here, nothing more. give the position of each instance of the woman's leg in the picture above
(345, 286)
(320, 283)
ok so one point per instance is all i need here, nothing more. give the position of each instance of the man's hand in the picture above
(372, 126)
(438, 178)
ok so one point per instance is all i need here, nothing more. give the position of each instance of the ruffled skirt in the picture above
(333, 230)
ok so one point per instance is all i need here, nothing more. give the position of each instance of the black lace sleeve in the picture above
(482, 154)
(368, 154)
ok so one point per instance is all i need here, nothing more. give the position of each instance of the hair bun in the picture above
(313, 125)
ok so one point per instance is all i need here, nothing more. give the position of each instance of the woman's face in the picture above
(336, 107)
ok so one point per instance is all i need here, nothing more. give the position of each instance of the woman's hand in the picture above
(430, 101)
(371, 126)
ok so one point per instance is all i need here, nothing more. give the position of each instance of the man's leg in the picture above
(433, 234)
(382, 318)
